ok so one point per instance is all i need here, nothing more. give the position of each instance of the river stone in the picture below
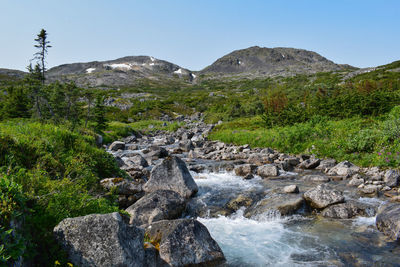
(156, 152)
(316, 178)
(356, 180)
(185, 242)
(369, 190)
(388, 220)
(347, 210)
(101, 240)
(344, 168)
(136, 160)
(171, 174)
(245, 169)
(322, 196)
(326, 164)
(123, 186)
(267, 170)
(116, 145)
(291, 189)
(256, 159)
(285, 204)
(240, 201)
(157, 206)
(310, 164)
(392, 178)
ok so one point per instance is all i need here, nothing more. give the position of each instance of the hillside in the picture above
(119, 72)
(280, 61)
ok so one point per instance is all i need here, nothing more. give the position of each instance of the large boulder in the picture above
(123, 186)
(392, 178)
(388, 220)
(171, 174)
(156, 206)
(316, 178)
(101, 240)
(268, 170)
(309, 164)
(348, 210)
(245, 169)
(117, 145)
(323, 196)
(185, 242)
(284, 204)
(344, 168)
(135, 161)
(156, 152)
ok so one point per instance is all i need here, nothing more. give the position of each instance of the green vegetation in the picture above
(47, 173)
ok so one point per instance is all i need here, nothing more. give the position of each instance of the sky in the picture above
(193, 34)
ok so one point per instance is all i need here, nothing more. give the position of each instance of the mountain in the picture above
(119, 72)
(262, 61)
(9, 74)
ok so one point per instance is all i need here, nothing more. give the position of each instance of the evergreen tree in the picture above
(16, 104)
(99, 114)
(40, 56)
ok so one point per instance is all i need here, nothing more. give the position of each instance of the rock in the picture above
(388, 220)
(291, 189)
(171, 174)
(344, 168)
(245, 169)
(156, 152)
(292, 161)
(185, 242)
(101, 240)
(326, 164)
(369, 190)
(323, 196)
(267, 170)
(356, 180)
(316, 178)
(392, 178)
(285, 204)
(347, 210)
(125, 201)
(116, 145)
(136, 160)
(123, 186)
(248, 176)
(309, 164)
(187, 146)
(256, 159)
(157, 206)
(240, 201)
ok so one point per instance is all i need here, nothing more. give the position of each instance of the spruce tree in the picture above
(99, 114)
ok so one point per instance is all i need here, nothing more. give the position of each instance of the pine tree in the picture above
(40, 56)
(99, 114)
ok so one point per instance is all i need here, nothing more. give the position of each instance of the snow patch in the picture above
(152, 59)
(179, 71)
(123, 66)
(90, 70)
(193, 76)
(151, 64)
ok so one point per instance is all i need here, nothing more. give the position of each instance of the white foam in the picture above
(225, 180)
(364, 221)
(90, 70)
(247, 242)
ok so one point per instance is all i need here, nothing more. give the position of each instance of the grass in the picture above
(364, 141)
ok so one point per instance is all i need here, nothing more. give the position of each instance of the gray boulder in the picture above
(284, 204)
(392, 178)
(101, 240)
(171, 174)
(316, 178)
(323, 196)
(123, 186)
(291, 189)
(347, 210)
(326, 164)
(156, 152)
(185, 242)
(388, 220)
(157, 206)
(356, 180)
(344, 168)
(136, 160)
(267, 170)
(310, 164)
(245, 169)
(116, 145)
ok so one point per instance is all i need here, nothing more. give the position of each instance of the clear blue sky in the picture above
(193, 34)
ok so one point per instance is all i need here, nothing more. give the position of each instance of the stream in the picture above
(298, 240)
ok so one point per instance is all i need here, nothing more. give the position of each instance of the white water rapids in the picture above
(271, 240)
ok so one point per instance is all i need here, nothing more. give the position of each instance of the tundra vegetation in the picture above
(50, 164)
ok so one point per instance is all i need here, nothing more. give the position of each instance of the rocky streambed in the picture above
(194, 202)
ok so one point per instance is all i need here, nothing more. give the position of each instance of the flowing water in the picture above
(297, 240)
